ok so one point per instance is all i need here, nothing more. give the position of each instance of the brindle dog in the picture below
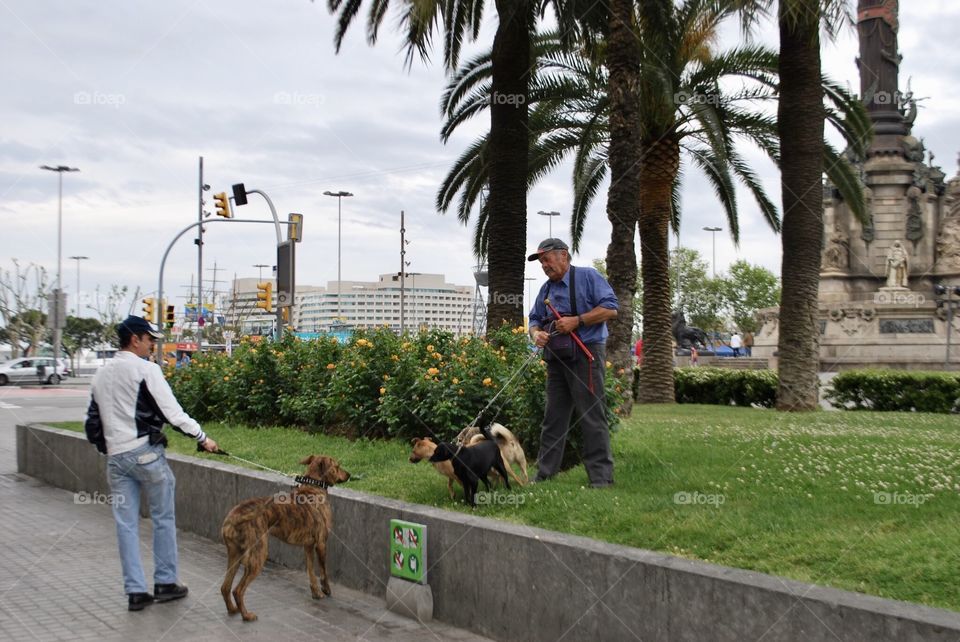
(301, 517)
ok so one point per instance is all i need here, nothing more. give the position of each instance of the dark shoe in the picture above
(605, 484)
(138, 601)
(168, 592)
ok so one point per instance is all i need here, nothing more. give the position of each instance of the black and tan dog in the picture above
(472, 464)
(510, 448)
(301, 517)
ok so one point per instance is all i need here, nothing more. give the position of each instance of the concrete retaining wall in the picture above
(512, 582)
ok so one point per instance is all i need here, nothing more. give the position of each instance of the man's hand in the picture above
(566, 325)
(210, 445)
(540, 338)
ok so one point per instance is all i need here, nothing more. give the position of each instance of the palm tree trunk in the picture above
(800, 123)
(509, 146)
(661, 161)
(623, 196)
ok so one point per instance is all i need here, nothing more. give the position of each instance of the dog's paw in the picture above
(317, 595)
(232, 611)
(326, 589)
(250, 617)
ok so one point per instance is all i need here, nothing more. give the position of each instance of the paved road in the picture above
(60, 575)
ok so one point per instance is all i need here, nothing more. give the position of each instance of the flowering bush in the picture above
(379, 385)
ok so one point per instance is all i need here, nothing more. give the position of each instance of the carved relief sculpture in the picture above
(898, 266)
(836, 256)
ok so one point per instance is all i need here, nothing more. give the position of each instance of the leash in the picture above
(523, 366)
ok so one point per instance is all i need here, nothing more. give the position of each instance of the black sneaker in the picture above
(168, 592)
(138, 601)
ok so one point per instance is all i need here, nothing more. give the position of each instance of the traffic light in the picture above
(149, 313)
(295, 227)
(169, 317)
(265, 295)
(222, 205)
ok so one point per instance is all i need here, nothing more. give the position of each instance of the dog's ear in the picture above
(413, 442)
(307, 460)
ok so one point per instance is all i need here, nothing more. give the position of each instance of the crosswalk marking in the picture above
(7, 406)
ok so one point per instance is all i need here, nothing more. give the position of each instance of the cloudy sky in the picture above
(134, 93)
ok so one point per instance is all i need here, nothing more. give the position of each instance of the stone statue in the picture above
(685, 335)
(836, 256)
(898, 266)
(948, 244)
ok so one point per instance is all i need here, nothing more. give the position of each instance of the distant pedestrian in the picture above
(736, 343)
(130, 401)
(694, 356)
(638, 351)
(748, 343)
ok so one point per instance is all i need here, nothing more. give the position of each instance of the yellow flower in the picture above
(226, 378)
(383, 390)
(386, 377)
(609, 365)
(455, 381)
(488, 381)
(437, 355)
(331, 366)
(433, 371)
(430, 348)
(460, 392)
(395, 357)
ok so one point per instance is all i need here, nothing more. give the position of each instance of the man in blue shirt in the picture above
(569, 372)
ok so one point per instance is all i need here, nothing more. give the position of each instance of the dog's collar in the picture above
(310, 481)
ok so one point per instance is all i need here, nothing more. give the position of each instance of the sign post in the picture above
(407, 590)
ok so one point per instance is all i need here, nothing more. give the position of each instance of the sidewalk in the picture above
(60, 579)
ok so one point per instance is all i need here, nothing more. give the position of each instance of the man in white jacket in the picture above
(130, 401)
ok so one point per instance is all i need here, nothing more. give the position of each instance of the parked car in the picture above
(32, 370)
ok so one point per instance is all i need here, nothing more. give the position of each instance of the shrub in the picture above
(379, 385)
(895, 390)
(725, 387)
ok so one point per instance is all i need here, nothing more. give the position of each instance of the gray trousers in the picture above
(567, 390)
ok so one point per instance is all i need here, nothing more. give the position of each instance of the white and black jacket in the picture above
(129, 400)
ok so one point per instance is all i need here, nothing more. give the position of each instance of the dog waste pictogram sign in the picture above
(408, 551)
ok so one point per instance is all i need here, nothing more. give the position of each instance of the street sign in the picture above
(285, 274)
(408, 551)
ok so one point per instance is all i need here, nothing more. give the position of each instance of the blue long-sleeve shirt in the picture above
(592, 291)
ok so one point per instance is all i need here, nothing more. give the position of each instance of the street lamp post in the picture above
(57, 321)
(549, 216)
(944, 292)
(261, 266)
(713, 231)
(78, 259)
(339, 196)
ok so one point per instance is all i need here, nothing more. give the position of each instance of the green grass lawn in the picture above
(862, 501)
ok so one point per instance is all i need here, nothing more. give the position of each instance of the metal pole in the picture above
(946, 359)
(78, 259)
(163, 261)
(403, 271)
(199, 262)
(713, 231)
(339, 208)
(57, 293)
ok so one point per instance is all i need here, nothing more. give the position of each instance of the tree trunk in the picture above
(800, 124)
(509, 146)
(661, 161)
(623, 196)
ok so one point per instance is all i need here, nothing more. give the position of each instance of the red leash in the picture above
(579, 343)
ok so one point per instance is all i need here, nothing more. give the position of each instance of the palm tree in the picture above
(508, 143)
(800, 121)
(573, 112)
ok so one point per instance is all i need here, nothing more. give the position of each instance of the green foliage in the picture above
(895, 390)
(747, 289)
(725, 387)
(378, 385)
(81, 333)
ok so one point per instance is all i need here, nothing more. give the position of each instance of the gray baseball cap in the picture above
(545, 246)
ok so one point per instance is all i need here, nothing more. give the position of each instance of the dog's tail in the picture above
(502, 435)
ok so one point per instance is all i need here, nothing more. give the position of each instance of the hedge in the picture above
(378, 385)
(725, 387)
(896, 390)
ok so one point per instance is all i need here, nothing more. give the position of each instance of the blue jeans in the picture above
(129, 472)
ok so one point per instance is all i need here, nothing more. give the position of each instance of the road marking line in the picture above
(7, 406)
